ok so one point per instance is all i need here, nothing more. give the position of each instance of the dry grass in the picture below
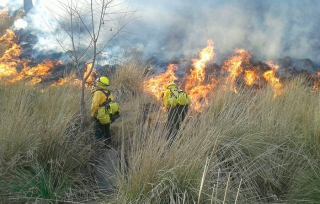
(5, 21)
(262, 143)
(42, 154)
(128, 77)
(245, 148)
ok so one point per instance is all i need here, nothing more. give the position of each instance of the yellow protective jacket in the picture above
(98, 98)
(166, 95)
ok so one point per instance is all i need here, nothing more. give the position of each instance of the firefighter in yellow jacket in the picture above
(177, 113)
(99, 96)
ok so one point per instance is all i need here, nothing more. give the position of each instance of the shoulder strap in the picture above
(172, 93)
(182, 91)
(108, 100)
(104, 91)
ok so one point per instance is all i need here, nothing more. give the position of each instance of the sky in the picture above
(179, 29)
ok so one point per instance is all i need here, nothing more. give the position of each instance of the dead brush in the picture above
(129, 77)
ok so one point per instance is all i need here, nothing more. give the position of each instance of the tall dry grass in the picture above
(254, 147)
(43, 156)
(244, 148)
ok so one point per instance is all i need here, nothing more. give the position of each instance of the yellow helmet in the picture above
(172, 84)
(103, 80)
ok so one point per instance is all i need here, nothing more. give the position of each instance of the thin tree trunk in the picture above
(82, 106)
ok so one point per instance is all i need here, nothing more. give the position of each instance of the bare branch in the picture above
(84, 23)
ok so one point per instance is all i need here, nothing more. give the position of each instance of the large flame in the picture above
(194, 86)
(10, 63)
(156, 85)
(234, 66)
(197, 74)
(7, 61)
(200, 95)
(198, 91)
(37, 73)
(201, 88)
(198, 85)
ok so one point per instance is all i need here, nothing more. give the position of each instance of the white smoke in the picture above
(269, 29)
(180, 29)
(12, 4)
(20, 24)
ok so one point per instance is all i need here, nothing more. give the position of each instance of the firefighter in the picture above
(176, 111)
(99, 96)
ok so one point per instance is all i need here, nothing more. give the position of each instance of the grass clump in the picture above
(43, 156)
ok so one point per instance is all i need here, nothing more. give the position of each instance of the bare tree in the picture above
(88, 28)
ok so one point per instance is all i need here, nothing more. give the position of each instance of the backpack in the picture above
(108, 111)
(178, 97)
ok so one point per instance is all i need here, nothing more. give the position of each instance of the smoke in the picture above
(20, 24)
(170, 30)
(12, 4)
(268, 29)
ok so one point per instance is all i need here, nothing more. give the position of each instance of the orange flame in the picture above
(62, 81)
(73, 80)
(10, 61)
(7, 62)
(234, 65)
(316, 82)
(156, 85)
(195, 87)
(198, 73)
(36, 73)
(270, 76)
(249, 77)
(200, 96)
(92, 75)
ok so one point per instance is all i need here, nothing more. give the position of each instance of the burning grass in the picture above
(6, 22)
(242, 147)
(245, 147)
(257, 145)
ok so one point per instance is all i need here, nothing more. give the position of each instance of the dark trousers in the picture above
(175, 116)
(103, 132)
